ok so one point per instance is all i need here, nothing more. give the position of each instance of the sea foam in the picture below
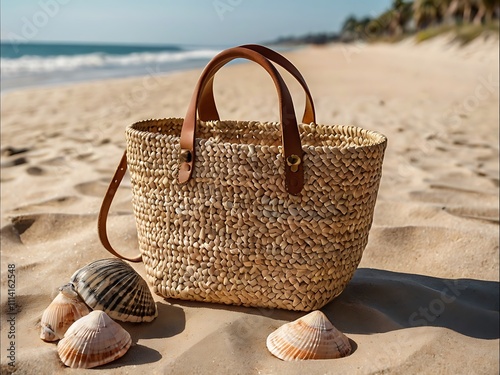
(12, 67)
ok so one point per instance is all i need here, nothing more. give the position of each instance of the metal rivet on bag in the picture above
(293, 162)
(186, 156)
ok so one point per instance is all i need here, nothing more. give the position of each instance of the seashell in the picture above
(93, 340)
(66, 308)
(113, 286)
(310, 337)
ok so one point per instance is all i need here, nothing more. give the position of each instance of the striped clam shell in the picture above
(310, 337)
(93, 340)
(113, 286)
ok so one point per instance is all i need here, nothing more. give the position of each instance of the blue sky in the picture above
(196, 22)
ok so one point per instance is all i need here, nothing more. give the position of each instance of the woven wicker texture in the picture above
(232, 234)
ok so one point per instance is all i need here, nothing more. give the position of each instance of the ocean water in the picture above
(38, 64)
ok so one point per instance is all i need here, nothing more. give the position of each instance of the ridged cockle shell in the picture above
(310, 337)
(93, 340)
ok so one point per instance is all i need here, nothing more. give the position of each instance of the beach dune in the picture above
(425, 296)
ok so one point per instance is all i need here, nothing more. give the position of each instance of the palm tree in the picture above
(362, 28)
(441, 9)
(396, 25)
(485, 9)
(425, 13)
(350, 24)
(400, 15)
(481, 11)
(451, 11)
(464, 9)
(491, 6)
(467, 7)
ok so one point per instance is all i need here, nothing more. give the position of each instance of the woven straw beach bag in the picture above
(249, 213)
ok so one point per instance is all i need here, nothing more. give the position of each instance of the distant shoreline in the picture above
(29, 65)
(156, 67)
(40, 64)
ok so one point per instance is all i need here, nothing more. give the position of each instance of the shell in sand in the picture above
(93, 340)
(310, 337)
(113, 286)
(65, 309)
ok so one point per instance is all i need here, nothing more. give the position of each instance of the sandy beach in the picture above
(424, 299)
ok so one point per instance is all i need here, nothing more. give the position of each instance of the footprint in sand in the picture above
(122, 202)
(21, 224)
(32, 170)
(14, 162)
(486, 214)
(98, 188)
(57, 161)
(9, 150)
(58, 203)
(465, 202)
(95, 188)
(48, 227)
(35, 171)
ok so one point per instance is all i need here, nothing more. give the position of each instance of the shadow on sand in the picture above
(171, 321)
(378, 301)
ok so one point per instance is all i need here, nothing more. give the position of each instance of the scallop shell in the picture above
(310, 337)
(113, 286)
(66, 308)
(92, 341)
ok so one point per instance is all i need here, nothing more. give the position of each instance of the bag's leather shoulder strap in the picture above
(106, 204)
(207, 109)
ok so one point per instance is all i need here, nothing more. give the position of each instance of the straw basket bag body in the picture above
(250, 213)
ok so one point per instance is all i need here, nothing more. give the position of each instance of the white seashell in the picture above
(310, 337)
(66, 308)
(93, 340)
(113, 286)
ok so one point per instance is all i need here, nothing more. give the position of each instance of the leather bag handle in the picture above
(292, 148)
(207, 109)
(106, 204)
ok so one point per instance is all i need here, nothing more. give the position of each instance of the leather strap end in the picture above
(294, 185)
(294, 174)
(186, 160)
(185, 171)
